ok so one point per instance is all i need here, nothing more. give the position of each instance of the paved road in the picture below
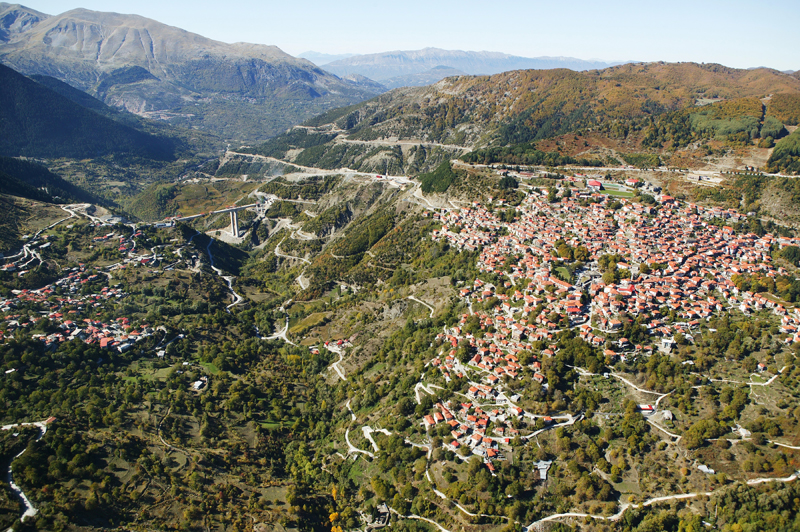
(650, 502)
(335, 365)
(351, 448)
(228, 279)
(279, 253)
(410, 142)
(282, 334)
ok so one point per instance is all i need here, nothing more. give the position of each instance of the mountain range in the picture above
(320, 58)
(420, 79)
(240, 91)
(388, 65)
(412, 129)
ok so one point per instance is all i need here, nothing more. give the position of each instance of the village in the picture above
(69, 301)
(671, 269)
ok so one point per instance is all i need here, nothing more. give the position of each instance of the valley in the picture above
(506, 371)
(274, 299)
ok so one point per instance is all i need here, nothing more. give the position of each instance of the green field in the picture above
(618, 193)
(211, 368)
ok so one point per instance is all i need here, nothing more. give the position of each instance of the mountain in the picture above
(365, 82)
(421, 79)
(413, 129)
(319, 58)
(386, 65)
(35, 121)
(22, 180)
(16, 19)
(77, 96)
(240, 91)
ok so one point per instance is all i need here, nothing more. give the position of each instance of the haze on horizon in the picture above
(734, 33)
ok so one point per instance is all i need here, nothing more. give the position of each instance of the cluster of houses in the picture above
(66, 302)
(675, 269)
(673, 264)
(482, 432)
(117, 334)
(63, 303)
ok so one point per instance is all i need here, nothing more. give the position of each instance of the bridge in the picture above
(232, 210)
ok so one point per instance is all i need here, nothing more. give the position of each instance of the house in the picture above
(543, 466)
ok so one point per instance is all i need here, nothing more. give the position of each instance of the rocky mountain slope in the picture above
(241, 91)
(320, 58)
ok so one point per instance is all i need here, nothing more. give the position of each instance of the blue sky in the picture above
(735, 33)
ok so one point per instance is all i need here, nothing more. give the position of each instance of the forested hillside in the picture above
(38, 122)
(33, 181)
(786, 157)
(535, 301)
(659, 106)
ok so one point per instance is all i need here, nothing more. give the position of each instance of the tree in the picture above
(405, 406)
(475, 465)
(565, 251)
(790, 254)
(581, 253)
(514, 489)
(767, 142)
(508, 182)
(610, 276)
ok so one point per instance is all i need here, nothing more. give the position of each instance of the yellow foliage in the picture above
(785, 107)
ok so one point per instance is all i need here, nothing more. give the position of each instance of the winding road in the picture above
(412, 298)
(228, 279)
(282, 334)
(30, 510)
(649, 502)
(335, 365)
(351, 448)
(279, 253)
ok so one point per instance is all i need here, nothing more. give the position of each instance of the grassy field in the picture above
(564, 273)
(211, 368)
(618, 193)
(310, 321)
(194, 198)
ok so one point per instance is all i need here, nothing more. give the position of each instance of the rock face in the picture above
(242, 91)
(16, 19)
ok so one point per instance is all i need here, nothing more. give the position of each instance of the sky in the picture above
(735, 33)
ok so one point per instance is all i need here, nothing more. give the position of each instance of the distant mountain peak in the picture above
(106, 54)
(320, 59)
(397, 63)
(16, 19)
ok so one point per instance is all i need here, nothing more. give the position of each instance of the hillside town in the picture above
(671, 268)
(68, 306)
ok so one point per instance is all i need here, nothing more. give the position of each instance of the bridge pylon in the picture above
(234, 224)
